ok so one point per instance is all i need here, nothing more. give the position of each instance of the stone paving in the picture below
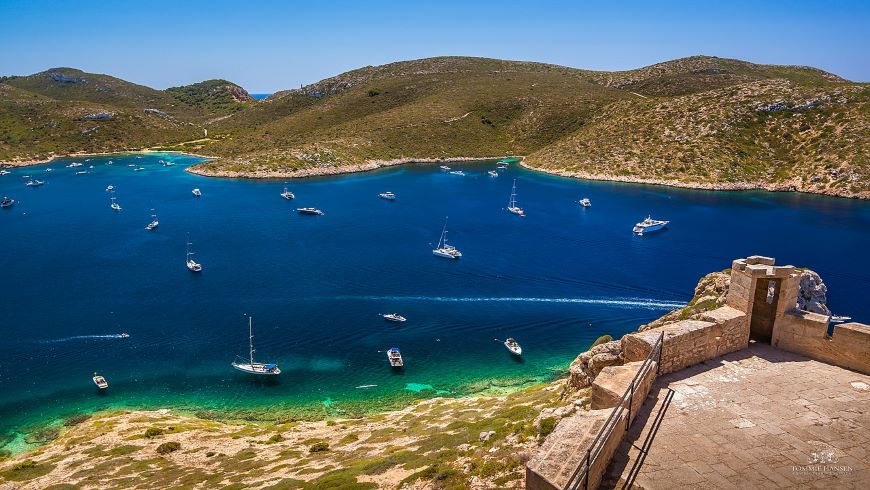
(757, 418)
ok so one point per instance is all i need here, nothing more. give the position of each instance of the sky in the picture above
(268, 46)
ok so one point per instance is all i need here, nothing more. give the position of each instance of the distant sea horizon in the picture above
(260, 96)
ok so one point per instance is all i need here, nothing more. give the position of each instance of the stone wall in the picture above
(806, 333)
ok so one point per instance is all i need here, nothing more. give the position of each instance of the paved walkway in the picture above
(758, 418)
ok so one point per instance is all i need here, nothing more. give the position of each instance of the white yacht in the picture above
(100, 382)
(458, 172)
(81, 172)
(34, 183)
(585, 202)
(5, 172)
(192, 265)
(513, 346)
(512, 203)
(444, 168)
(153, 224)
(444, 249)
(393, 317)
(74, 165)
(196, 192)
(114, 205)
(395, 357)
(389, 196)
(252, 367)
(287, 194)
(649, 225)
(493, 173)
(311, 211)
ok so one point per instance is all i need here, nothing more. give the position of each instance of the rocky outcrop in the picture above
(710, 294)
(812, 294)
(587, 365)
(100, 116)
(60, 77)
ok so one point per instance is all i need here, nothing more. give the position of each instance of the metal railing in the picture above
(580, 477)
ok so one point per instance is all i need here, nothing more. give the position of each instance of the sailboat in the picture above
(191, 264)
(255, 367)
(443, 249)
(512, 204)
(153, 224)
(115, 206)
(287, 194)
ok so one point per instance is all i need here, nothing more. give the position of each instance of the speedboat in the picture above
(395, 357)
(124, 335)
(389, 196)
(138, 169)
(649, 225)
(444, 249)
(5, 172)
(168, 164)
(512, 204)
(153, 224)
(192, 265)
(74, 164)
(312, 211)
(100, 382)
(196, 192)
(585, 202)
(493, 173)
(393, 317)
(840, 318)
(458, 172)
(110, 188)
(7, 202)
(34, 183)
(81, 172)
(503, 162)
(513, 346)
(287, 194)
(252, 367)
(444, 168)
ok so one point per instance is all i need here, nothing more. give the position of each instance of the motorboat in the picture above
(444, 168)
(114, 205)
(252, 367)
(81, 172)
(310, 211)
(649, 225)
(7, 202)
(444, 249)
(5, 172)
(196, 192)
(493, 173)
(512, 203)
(138, 169)
(287, 194)
(513, 346)
(458, 172)
(585, 202)
(395, 357)
(74, 165)
(34, 183)
(124, 335)
(154, 223)
(192, 265)
(389, 196)
(393, 317)
(110, 188)
(100, 382)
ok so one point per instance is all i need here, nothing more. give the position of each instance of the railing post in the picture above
(586, 476)
(661, 348)
(630, 400)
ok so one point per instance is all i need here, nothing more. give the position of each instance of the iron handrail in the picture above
(581, 474)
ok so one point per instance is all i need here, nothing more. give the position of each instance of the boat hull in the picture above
(258, 369)
(445, 255)
(640, 230)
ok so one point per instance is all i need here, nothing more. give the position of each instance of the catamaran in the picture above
(389, 196)
(287, 194)
(114, 205)
(196, 192)
(34, 183)
(513, 346)
(585, 202)
(7, 202)
(393, 317)
(100, 382)
(395, 357)
(443, 249)
(512, 204)
(252, 367)
(153, 224)
(191, 264)
(312, 211)
(649, 225)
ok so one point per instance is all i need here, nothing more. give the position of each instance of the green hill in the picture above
(215, 96)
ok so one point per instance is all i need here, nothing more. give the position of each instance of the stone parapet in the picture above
(806, 333)
(613, 381)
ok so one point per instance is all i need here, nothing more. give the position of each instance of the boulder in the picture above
(588, 364)
(485, 436)
(812, 296)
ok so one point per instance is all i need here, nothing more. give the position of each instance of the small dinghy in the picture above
(389, 196)
(395, 358)
(513, 346)
(196, 192)
(100, 382)
(393, 317)
(310, 211)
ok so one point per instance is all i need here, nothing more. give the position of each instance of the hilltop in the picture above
(701, 121)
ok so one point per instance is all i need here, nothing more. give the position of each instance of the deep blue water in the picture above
(74, 270)
(260, 96)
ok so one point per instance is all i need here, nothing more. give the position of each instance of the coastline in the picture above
(53, 157)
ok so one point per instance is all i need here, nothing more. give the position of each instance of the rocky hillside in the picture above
(215, 96)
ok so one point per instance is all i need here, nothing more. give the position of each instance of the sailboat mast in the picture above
(251, 340)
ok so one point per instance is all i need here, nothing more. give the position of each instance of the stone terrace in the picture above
(757, 418)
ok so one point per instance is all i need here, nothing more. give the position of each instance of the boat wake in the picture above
(627, 303)
(83, 337)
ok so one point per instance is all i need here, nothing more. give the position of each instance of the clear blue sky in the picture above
(267, 46)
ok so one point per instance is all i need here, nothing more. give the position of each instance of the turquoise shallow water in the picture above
(76, 274)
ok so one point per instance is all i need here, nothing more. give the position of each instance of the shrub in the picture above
(275, 438)
(546, 426)
(153, 432)
(319, 446)
(76, 420)
(168, 447)
(373, 92)
(602, 340)
(349, 438)
(24, 465)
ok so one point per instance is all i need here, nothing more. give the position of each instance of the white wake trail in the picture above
(628, 303)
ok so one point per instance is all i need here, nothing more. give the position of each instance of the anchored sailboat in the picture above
(255, 367)
(444, 249)
(153, 224)
(115, 206)
(191, 264)
(512, 204)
